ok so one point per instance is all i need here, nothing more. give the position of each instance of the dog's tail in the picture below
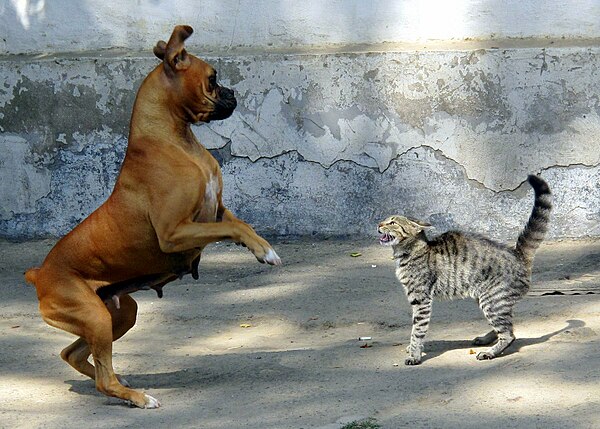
(31, 275)
(537, 226)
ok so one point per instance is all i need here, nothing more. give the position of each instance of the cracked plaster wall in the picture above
(325, 143)
(348, 110)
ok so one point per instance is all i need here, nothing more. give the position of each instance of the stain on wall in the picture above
(325, 143)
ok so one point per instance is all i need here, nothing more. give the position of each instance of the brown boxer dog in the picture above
(165, 208)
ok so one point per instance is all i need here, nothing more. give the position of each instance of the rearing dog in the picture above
(165, 208)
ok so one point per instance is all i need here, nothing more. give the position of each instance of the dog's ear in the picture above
(175, 55)
(160, 49)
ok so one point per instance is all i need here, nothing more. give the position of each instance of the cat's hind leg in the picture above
(486, 339)
(497, 309)
(505, 339)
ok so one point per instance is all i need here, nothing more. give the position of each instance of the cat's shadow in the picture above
(437, 348)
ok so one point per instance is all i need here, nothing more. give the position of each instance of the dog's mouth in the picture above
(223, 109)
(225, 105)
(386, 239)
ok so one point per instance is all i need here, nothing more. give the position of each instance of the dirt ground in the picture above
(300, 364)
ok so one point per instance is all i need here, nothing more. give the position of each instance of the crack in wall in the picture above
(444, 125)
(437, 152)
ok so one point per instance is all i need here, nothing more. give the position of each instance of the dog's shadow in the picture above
(209, 371)
(196, 377)
(437, 348)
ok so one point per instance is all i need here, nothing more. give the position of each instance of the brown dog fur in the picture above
(166, 206)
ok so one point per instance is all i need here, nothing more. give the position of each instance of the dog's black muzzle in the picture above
(225, 104)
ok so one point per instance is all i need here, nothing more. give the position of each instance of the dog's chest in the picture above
(209, 206)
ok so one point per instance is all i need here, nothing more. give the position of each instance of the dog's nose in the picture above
(226, 93)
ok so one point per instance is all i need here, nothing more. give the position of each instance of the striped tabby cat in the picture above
(457, 264)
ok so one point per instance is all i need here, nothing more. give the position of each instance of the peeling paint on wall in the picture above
(351, 199)
(344, 139)
(493, 112)
(21, 183)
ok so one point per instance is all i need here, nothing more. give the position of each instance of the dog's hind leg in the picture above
(75, 308)
(123, 319)
(77, 355)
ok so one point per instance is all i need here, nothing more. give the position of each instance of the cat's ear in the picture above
(419, 224)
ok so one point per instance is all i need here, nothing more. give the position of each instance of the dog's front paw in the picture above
(269, 257)
(262, 250)
(272, 258)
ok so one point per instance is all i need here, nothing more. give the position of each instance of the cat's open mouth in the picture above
(386, 238)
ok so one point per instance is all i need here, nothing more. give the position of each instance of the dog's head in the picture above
(193, 82)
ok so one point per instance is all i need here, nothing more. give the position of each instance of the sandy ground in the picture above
(300, 364)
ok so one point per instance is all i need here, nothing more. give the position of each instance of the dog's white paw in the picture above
(151, 402)
(272, 258)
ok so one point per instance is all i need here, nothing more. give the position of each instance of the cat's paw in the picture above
(486, 339)
(412, 361)
(485, 356)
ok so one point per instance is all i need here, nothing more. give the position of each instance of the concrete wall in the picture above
(348, 110)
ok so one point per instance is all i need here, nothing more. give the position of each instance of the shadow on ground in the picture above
(299, 364)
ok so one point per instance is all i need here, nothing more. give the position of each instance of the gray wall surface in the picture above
(344, 116)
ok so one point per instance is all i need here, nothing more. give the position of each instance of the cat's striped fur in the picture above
(461, 265)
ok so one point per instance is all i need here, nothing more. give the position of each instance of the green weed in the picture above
(369, 423)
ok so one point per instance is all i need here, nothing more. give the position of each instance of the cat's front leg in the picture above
(415, 352)
(420, 324)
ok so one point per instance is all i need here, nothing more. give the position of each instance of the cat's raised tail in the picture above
(535, 230)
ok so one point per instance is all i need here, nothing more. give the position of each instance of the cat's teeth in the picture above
(385, 238)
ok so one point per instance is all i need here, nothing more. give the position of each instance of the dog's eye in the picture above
(212, 83)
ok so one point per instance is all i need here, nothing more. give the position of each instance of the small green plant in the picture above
(369, 423)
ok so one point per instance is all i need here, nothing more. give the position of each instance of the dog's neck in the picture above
(156, 118)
